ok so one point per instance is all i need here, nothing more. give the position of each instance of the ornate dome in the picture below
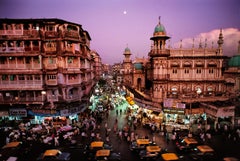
(235, 60)
(127, 49)
(138, 66)
(159, 29)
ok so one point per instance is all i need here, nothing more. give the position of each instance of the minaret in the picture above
(127, 54)
(220, 43)
(159, 39)
(158, 60)
(127, 67)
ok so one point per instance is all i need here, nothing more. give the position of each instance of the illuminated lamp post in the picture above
(43, 96)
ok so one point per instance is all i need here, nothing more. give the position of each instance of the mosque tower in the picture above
(127, 67)
(158, 60)
(220, 43)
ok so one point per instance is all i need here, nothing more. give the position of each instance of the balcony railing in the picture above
(51, 34)
(71, 34)
(73, 81)
(20, 66)
(11, 32)
(12, 49)
(26, 84)
(51, 82)
(158, 52)
(50, 49)
(21, 100)
(51, 66)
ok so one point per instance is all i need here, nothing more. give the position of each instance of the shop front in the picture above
(175, 118)
(56, 117)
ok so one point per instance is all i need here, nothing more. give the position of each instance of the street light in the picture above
(43, 94)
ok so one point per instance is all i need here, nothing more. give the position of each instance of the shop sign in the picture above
(181, 105)
(168, 102)
(173, 111)
(18, 112)
(43, 112)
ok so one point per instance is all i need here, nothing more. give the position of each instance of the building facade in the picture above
(46, 67)
(176, 78)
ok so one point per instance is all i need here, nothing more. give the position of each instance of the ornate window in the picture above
(199, 71)
(174, 71)
(51, 77)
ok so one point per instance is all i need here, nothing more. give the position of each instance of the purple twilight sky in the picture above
(115, 24)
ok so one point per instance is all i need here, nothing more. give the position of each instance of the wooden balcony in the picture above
(20, 85)
(31, 33)
(11, 32)
(20, 66)
(73, 81)
(50, 49)
(71, 34)
(21, 100)
(50, 66)
(51, 82)
(73, 65)
(51, 34)
(12, 49)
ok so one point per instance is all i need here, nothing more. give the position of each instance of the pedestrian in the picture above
(167, 137)
(128, 138)
(116, 112)
(107, 140)
(92, 136)
(115, 128)
(105, 125)
(154, 139)
(120, 135)
(56, 141)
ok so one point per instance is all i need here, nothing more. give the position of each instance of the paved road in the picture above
(223, 147)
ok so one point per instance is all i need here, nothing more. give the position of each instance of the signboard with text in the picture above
(21, 112)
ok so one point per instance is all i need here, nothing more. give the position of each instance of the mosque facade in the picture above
(173, 78)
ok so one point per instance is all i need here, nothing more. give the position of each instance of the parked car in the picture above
(152, 151)
(107, 155)
(139, 144)
(54, 154)
(169, 157)
(202, 153)
(186, 144)
(230, 159)
(12, 149)
(90, 150)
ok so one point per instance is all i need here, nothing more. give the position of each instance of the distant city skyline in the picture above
(116, 24)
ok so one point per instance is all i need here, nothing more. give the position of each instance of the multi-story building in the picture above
(177, 77)
(46, 67)
(98, 67)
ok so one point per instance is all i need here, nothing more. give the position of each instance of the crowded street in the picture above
(115, 124)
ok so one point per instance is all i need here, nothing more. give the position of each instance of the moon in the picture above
(124, 12)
